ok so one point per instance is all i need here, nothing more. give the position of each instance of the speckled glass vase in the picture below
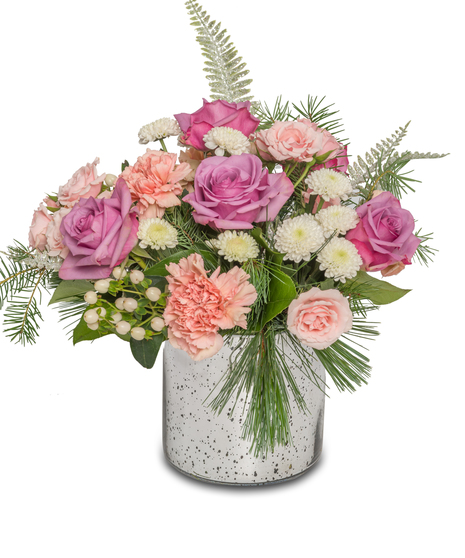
(209, 447)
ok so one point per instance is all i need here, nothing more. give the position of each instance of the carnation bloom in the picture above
(223, 139)
(297, 238)
(339, 218)
(154, 182)
(236, 246)
(318, 318)
(299, 140)
(340, 259)
(198, 305)
(161, 128)
(157, 233)
(193, 157)
(329, 184)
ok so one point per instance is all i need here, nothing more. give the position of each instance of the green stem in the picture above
(163, 146)
(304, 174)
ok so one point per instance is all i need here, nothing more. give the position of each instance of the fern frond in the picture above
(225, 69)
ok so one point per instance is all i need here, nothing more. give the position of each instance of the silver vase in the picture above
(209, 447)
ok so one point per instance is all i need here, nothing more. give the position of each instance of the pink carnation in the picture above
(299, 140)
(318, 318)
(199, 306)
(85, 183)
(154, 182)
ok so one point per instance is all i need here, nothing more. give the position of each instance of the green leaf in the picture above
(160, 268)
(69, 290)
(327, 284)
(52, 209)
(275, 257)
(138, 251)
(146, 351)
(124, 165)
(209, 258)
(83, 333)
(282, 293)
(379, 292)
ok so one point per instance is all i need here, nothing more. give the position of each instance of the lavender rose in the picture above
(384, 235)
(234, 192)
(99, 233)
(212, 115)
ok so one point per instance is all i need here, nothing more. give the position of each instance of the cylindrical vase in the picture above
(210, 447)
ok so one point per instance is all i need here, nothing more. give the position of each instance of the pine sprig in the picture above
(424, 253)
(15, 276)
(322, 115)
(225, 69)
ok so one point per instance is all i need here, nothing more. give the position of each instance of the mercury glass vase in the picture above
(209, 447)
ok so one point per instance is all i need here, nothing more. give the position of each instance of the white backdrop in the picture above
(81, 465)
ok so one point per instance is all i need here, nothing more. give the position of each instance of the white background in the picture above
(81, 466)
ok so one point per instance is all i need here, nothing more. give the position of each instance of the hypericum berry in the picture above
(119, 303)
(119, 273)
(157, 324)
(102, 285)
(123, 327)
(130, 304)
(110, 180)
(138, 333)
(116, 318)
(94, 327)
(136, 276)
(153, 293)
(91, 317)
(91, 297)
(101, 312)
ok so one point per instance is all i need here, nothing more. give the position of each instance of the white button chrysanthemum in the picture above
(337, 218)
(223, 139)
(339, 259)
(157, 233)
(236, 246)
(161, 128)
(297, 238)
(329, 184)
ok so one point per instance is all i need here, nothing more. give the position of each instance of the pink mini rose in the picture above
(234, 192)
(384, 235)
(54, 236)
(84, 183)
(38, 228)
(99, 235)
(213, 115)
(154, 182)
(318, 318)
(299, 140)
(198, 305)
(339, 163)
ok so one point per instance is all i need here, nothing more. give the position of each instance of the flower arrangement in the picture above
(258, 227)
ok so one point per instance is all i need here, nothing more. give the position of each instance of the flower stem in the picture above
(163, 146)
(304, 174)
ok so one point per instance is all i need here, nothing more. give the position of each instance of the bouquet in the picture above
(257, 227)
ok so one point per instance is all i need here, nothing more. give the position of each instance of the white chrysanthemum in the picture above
(329, 184)
(161, 128)
(236, 246)
(337, 218)
(157, 233)
(223, 139)
(297, 238)
(339, 259)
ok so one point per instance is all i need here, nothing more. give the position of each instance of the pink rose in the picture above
(84, 183)
(154, 182)
(99, 235)
(213, 115)
(49, 202)
(234, 192)
(54, 236)
(339, 163)
(384, 235)
(198, 305)
(299, 140)
(318, 318)
(38, 228)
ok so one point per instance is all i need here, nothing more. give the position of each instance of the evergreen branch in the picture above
(321, 115)
(15, 275)
(225, 70)
(424, 253)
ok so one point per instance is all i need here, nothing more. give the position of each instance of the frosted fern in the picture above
(225, 69)
(385, 153)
